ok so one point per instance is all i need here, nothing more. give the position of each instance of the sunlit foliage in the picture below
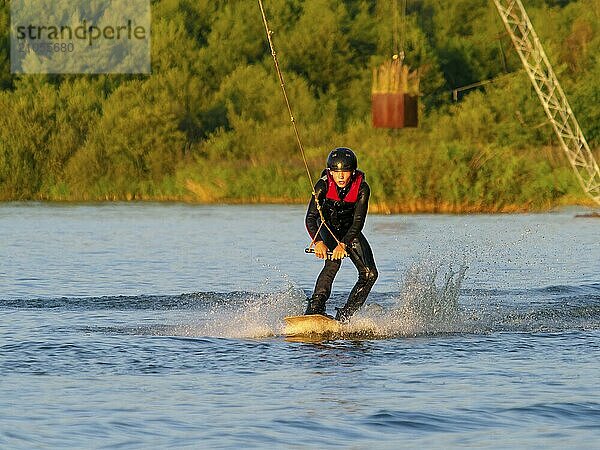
(210, 123)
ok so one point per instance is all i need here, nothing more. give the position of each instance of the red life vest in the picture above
(351, 196)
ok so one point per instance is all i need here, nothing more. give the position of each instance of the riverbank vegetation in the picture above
(210, 125)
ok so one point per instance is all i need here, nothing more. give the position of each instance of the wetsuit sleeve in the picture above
(360, 213)
(312, 214)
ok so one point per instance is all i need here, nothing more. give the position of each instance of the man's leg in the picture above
(316, 304)
(362, 256)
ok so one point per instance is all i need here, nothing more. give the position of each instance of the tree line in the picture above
(210, 125)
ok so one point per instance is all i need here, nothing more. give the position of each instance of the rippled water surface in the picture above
(160, 326)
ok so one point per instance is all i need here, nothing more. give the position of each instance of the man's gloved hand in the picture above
(339, 252)
(321, 250)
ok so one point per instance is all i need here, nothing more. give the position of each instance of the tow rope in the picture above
(269, 33)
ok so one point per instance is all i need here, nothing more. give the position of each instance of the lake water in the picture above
(160, 326)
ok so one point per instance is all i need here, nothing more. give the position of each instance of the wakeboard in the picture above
(311, 324)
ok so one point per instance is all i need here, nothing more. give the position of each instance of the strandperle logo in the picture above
(85, 32)
(78, 36)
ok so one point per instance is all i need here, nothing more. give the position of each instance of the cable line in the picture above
(399, 29)
(294, 125)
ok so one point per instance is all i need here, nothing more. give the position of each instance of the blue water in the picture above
(160, 326)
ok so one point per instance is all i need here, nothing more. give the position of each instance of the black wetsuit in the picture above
(346, 220)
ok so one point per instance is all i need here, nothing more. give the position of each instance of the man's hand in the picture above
(339, 252)
(321, 250)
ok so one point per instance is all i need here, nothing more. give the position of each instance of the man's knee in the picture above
(369, 275)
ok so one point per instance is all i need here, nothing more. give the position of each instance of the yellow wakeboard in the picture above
(311, 324)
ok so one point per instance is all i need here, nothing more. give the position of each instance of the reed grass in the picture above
(394, 77)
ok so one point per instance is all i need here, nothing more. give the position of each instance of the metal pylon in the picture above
(551, 95)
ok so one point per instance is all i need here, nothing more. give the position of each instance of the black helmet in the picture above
(342, 159)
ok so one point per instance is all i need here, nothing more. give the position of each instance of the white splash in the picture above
(256, 315)
(421, 307)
